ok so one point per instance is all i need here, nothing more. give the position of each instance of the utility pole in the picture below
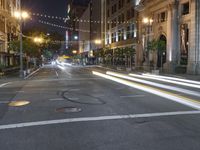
(21, 74)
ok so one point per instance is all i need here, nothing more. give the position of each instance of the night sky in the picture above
(49, 7)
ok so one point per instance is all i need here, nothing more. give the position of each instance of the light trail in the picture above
(172, 78)
(189, 92)
(165, 80)
(161, 93)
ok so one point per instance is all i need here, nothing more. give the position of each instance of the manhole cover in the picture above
(68, 109)
(18, 103)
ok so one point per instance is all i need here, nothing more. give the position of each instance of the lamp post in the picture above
(21, 15)
(148, 22)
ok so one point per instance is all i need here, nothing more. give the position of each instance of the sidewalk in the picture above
(14, 76)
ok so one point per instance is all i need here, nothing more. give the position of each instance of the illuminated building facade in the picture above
(177, 24)
(9, 29)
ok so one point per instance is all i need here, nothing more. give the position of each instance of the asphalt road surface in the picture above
(73, 108)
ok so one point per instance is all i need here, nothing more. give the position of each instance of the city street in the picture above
(92, 108)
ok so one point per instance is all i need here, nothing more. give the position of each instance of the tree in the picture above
(157, 46)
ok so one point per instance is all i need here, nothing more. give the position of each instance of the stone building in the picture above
(9, 29)
(120, 26)
(176, 23)
(91, 27)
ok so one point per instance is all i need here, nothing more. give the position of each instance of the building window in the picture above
(185, 8)
(107, 39)
(108, 2)
(114, 8)
(128, 15)
(128, 32)
(119, 4)
(114, 23)
(122, 18)
(108, 13)
(119, 35)
(133, 31)
(122, 3)
(119, 19)
(123, 35)
(113, 37)
(108, 26)
(162, 17)
(132, 12)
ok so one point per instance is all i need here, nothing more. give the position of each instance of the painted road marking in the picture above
(56, 74)
(4, 84)
(71, 90)
(73, 98)
(161, 93)
(4, 102)
(57, 99)
(32, 73)
(99, 118)
(132, 96)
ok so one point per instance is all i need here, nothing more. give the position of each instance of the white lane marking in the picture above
(4, 84)
(100, 118)
(32, 73)
(65, 79)
(168, 81)
(154, 84)
(56, 74)
(71, 90)
(176, 98)
(98, 95)
(173, 78)
(4, 102)
(132, 96)
(73, 98)
(64, 70)
(20, 91)
(57, 99)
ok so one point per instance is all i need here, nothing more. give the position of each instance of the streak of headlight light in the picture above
(164, 80)
(61, 67)
(154, 84)
(172, 78)
(164, 94)
(68, 64)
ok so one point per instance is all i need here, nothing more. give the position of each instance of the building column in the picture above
(197, 47)
(174, 53)
(193, 38)
(6, 43)
(169, 39)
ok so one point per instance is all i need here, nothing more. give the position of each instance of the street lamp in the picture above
(75, 37)
(148, 22)
(98, 41)
(74, 51)
(38, 40)
(21, 15)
